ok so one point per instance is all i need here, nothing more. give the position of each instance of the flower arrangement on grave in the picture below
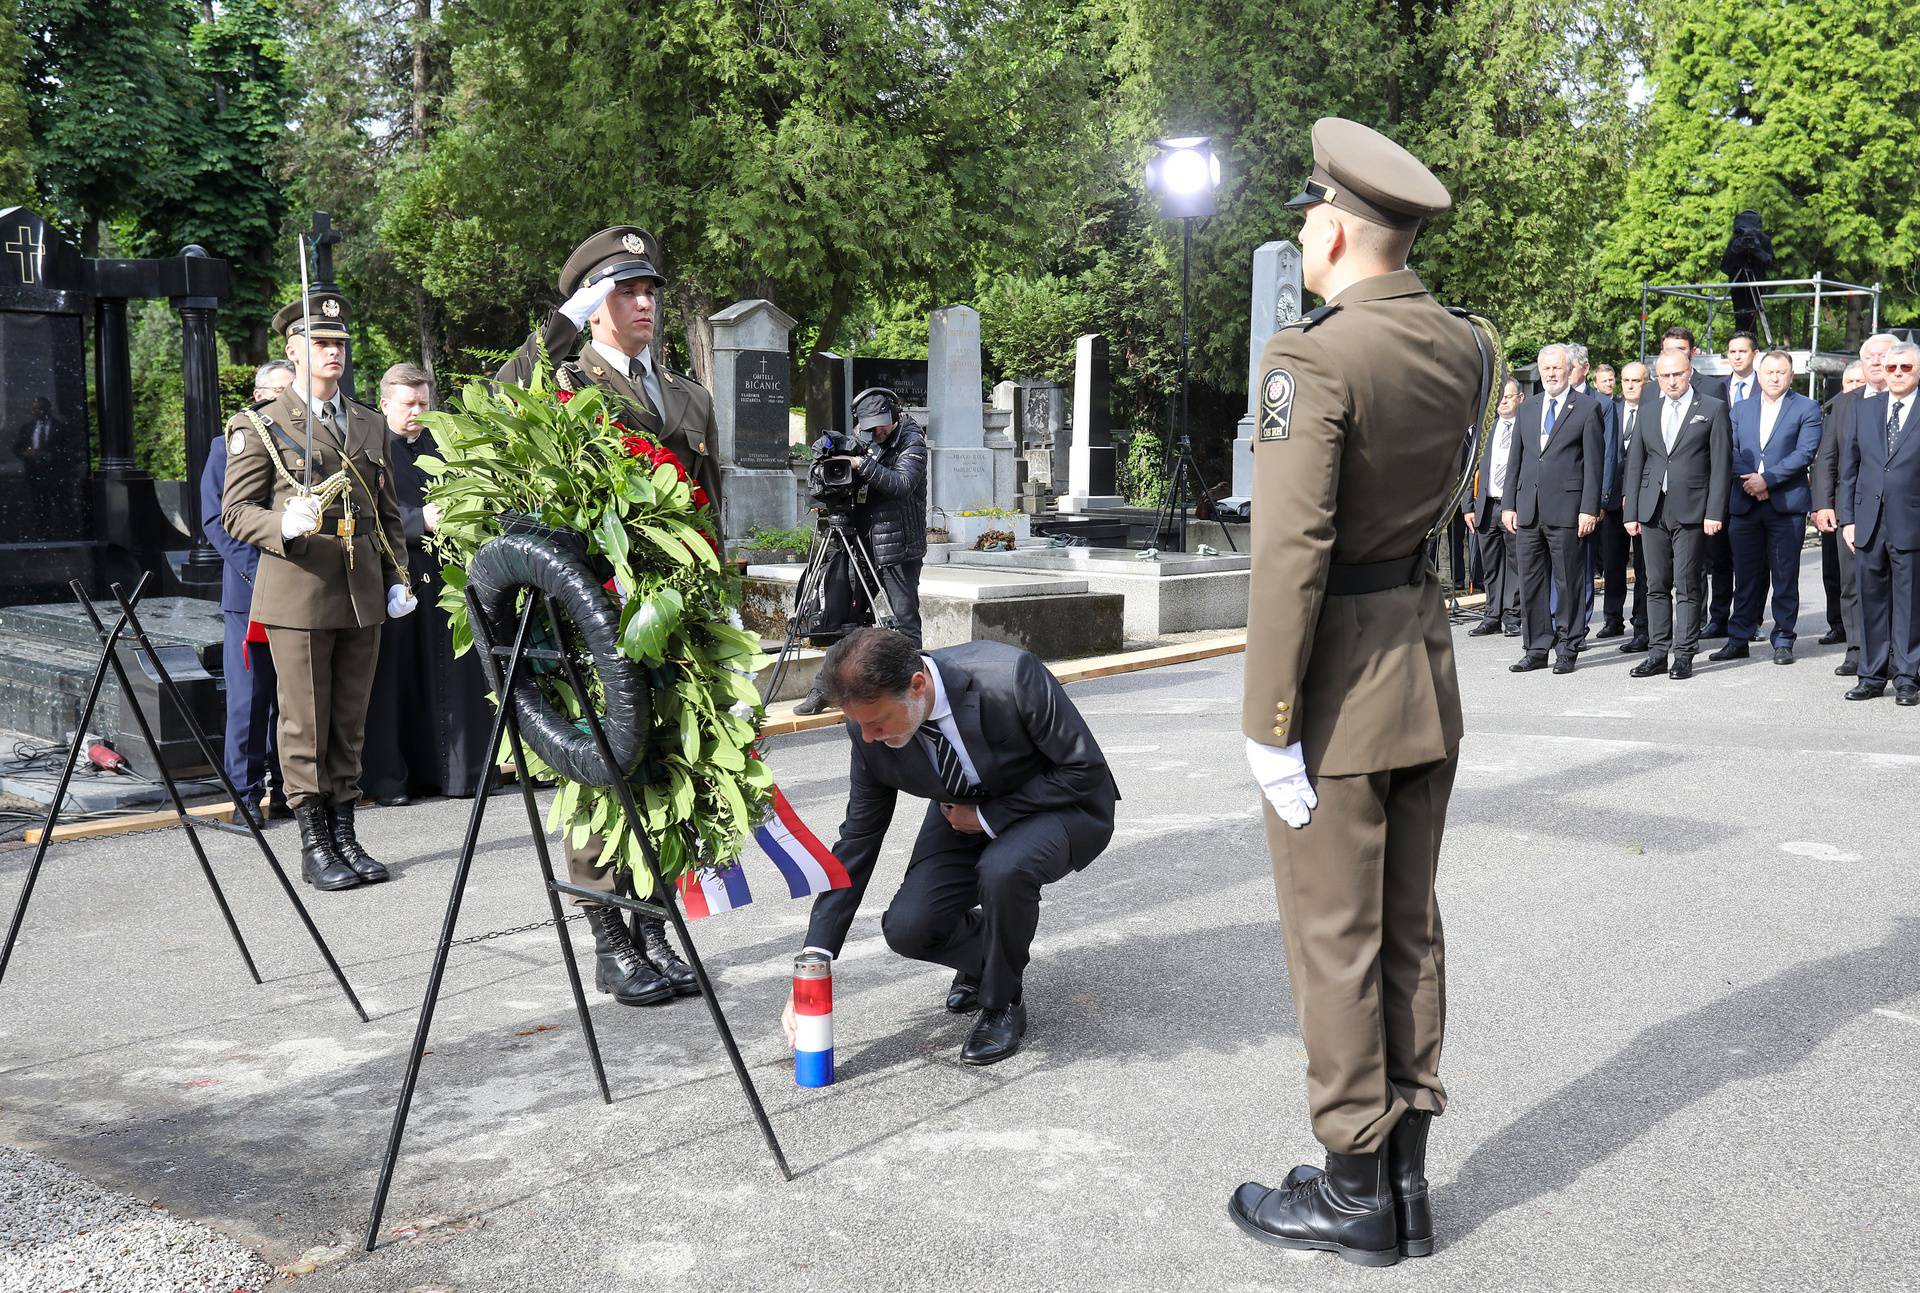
(562, 459)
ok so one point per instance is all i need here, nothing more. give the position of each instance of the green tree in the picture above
(16, 136)
(1803, 112)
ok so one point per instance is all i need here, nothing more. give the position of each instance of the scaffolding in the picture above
(1817, 291)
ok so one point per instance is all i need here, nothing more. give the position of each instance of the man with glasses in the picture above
(1879, 514)
(1678, 474)
(1826, 488)
(1616, 545)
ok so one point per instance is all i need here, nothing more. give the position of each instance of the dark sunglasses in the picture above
(1900, 368)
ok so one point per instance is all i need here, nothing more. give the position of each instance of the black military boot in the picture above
(1407, 1174)
(320, 862)
(363, 863)
(617, 967)
(1346, 1209)
(650, 936)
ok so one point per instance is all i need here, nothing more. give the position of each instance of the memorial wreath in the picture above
(542, 457)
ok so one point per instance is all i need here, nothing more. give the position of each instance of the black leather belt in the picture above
(1357, 579)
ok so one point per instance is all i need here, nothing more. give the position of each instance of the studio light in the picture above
(1184, 174)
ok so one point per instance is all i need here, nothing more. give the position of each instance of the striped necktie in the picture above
(1893, 426)
(946, 762)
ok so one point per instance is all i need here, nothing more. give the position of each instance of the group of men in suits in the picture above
(1703, 485)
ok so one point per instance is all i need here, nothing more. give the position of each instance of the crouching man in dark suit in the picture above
(1021, 797)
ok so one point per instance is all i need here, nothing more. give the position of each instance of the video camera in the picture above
(831, 479)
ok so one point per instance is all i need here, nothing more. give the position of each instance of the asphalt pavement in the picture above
(1684, 1039)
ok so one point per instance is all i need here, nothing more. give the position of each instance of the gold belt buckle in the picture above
(344, 527)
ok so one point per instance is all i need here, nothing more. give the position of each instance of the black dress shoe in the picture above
(1783, 655)
(248, 810)
(1682, 667)
(1715, 630)
(1510, 632)
(1611, 629)
(1483, 630)
(1847, 669)
(1867, 691)
(1733, 650)
(618, 966)
(1346, 1210)
(1633, 646)
(963, 995)
(400, 800)
(1649, 667)
(996, 1035)
(1833, 637)
(1564, 664)
(1527, 664)
(650, 936)
(363, 863)
(320, 862)
(814, 703)
(1905, 693)
(1582, 645)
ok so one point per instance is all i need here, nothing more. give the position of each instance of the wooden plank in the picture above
(105, 826)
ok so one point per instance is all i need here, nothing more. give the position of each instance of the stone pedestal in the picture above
(1090, 456)
(960, 465)
(1275, 301)
(750, 401)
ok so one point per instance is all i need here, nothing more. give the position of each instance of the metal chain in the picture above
(517, 929)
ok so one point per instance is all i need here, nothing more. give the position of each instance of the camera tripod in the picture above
(835, 538)
(1184, 483)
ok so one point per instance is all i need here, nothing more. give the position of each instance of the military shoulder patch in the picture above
(1276, 404)
(236, 444)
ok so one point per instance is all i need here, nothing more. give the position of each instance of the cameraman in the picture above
(892, 520)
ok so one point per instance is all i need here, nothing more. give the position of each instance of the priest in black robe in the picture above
(428, 720)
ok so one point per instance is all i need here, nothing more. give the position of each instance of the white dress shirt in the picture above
(1550, 417)
(332, 409)
(1497, 463)
(1740, 387)
(1903, 414)
(1769, 417)
(649, 380)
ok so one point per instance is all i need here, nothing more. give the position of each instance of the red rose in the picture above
(563, 395)
(699, 496)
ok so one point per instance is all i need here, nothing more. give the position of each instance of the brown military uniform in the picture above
(1364, 405)
(684, 425)
(322, 596)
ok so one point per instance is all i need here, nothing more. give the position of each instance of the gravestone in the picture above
(46, 515)
(1040, 421)
(960, 465)
(833, 380)
(750, 394)
(1090, 455)
(1276, 301)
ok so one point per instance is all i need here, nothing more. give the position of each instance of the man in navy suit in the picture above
(1021, 797)
(1826, 488)
(250, 679)
(1775, 438)
(1879, 507)
(1740, 386)
(1551, 504)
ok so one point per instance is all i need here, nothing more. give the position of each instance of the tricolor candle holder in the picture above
(813, 1013)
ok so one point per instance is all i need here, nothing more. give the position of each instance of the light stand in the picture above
(1184, 174)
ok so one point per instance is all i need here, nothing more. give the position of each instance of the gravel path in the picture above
(59, 1231)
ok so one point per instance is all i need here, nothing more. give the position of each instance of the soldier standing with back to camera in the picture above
(1352, 711)
(611, 285)
(329, 575)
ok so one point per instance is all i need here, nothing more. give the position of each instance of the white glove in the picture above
(301, 517)
(579, 307)
(1282, 774)
(430, 516)
(400, 602)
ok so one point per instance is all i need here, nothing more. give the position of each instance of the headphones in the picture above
(886, 393)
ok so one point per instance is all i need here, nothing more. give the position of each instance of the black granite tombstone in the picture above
(833, 380)
(60, 518)
(760, 408)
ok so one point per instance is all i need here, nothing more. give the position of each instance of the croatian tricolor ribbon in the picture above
(706, 892)
(808, 865)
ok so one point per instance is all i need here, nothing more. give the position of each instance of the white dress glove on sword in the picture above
(400, 602)
(301, 517)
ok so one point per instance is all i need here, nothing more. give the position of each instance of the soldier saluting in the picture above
(611, 285)
(1352, 711)
(308, 484)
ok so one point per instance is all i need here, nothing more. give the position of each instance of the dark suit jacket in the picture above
(1033, 751)
(1480, 505)
(1697, 473)
(239, 561)
(1825, 476)
(1555, 487)
(1613, 471)
(1723, 390)
(1711, 385)
(1880, 497)
(1789, 453)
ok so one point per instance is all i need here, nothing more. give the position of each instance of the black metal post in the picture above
(108, 643)
(635, 824)
(172, 691)
(200, 366)
(451, 920)
(113, 386)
